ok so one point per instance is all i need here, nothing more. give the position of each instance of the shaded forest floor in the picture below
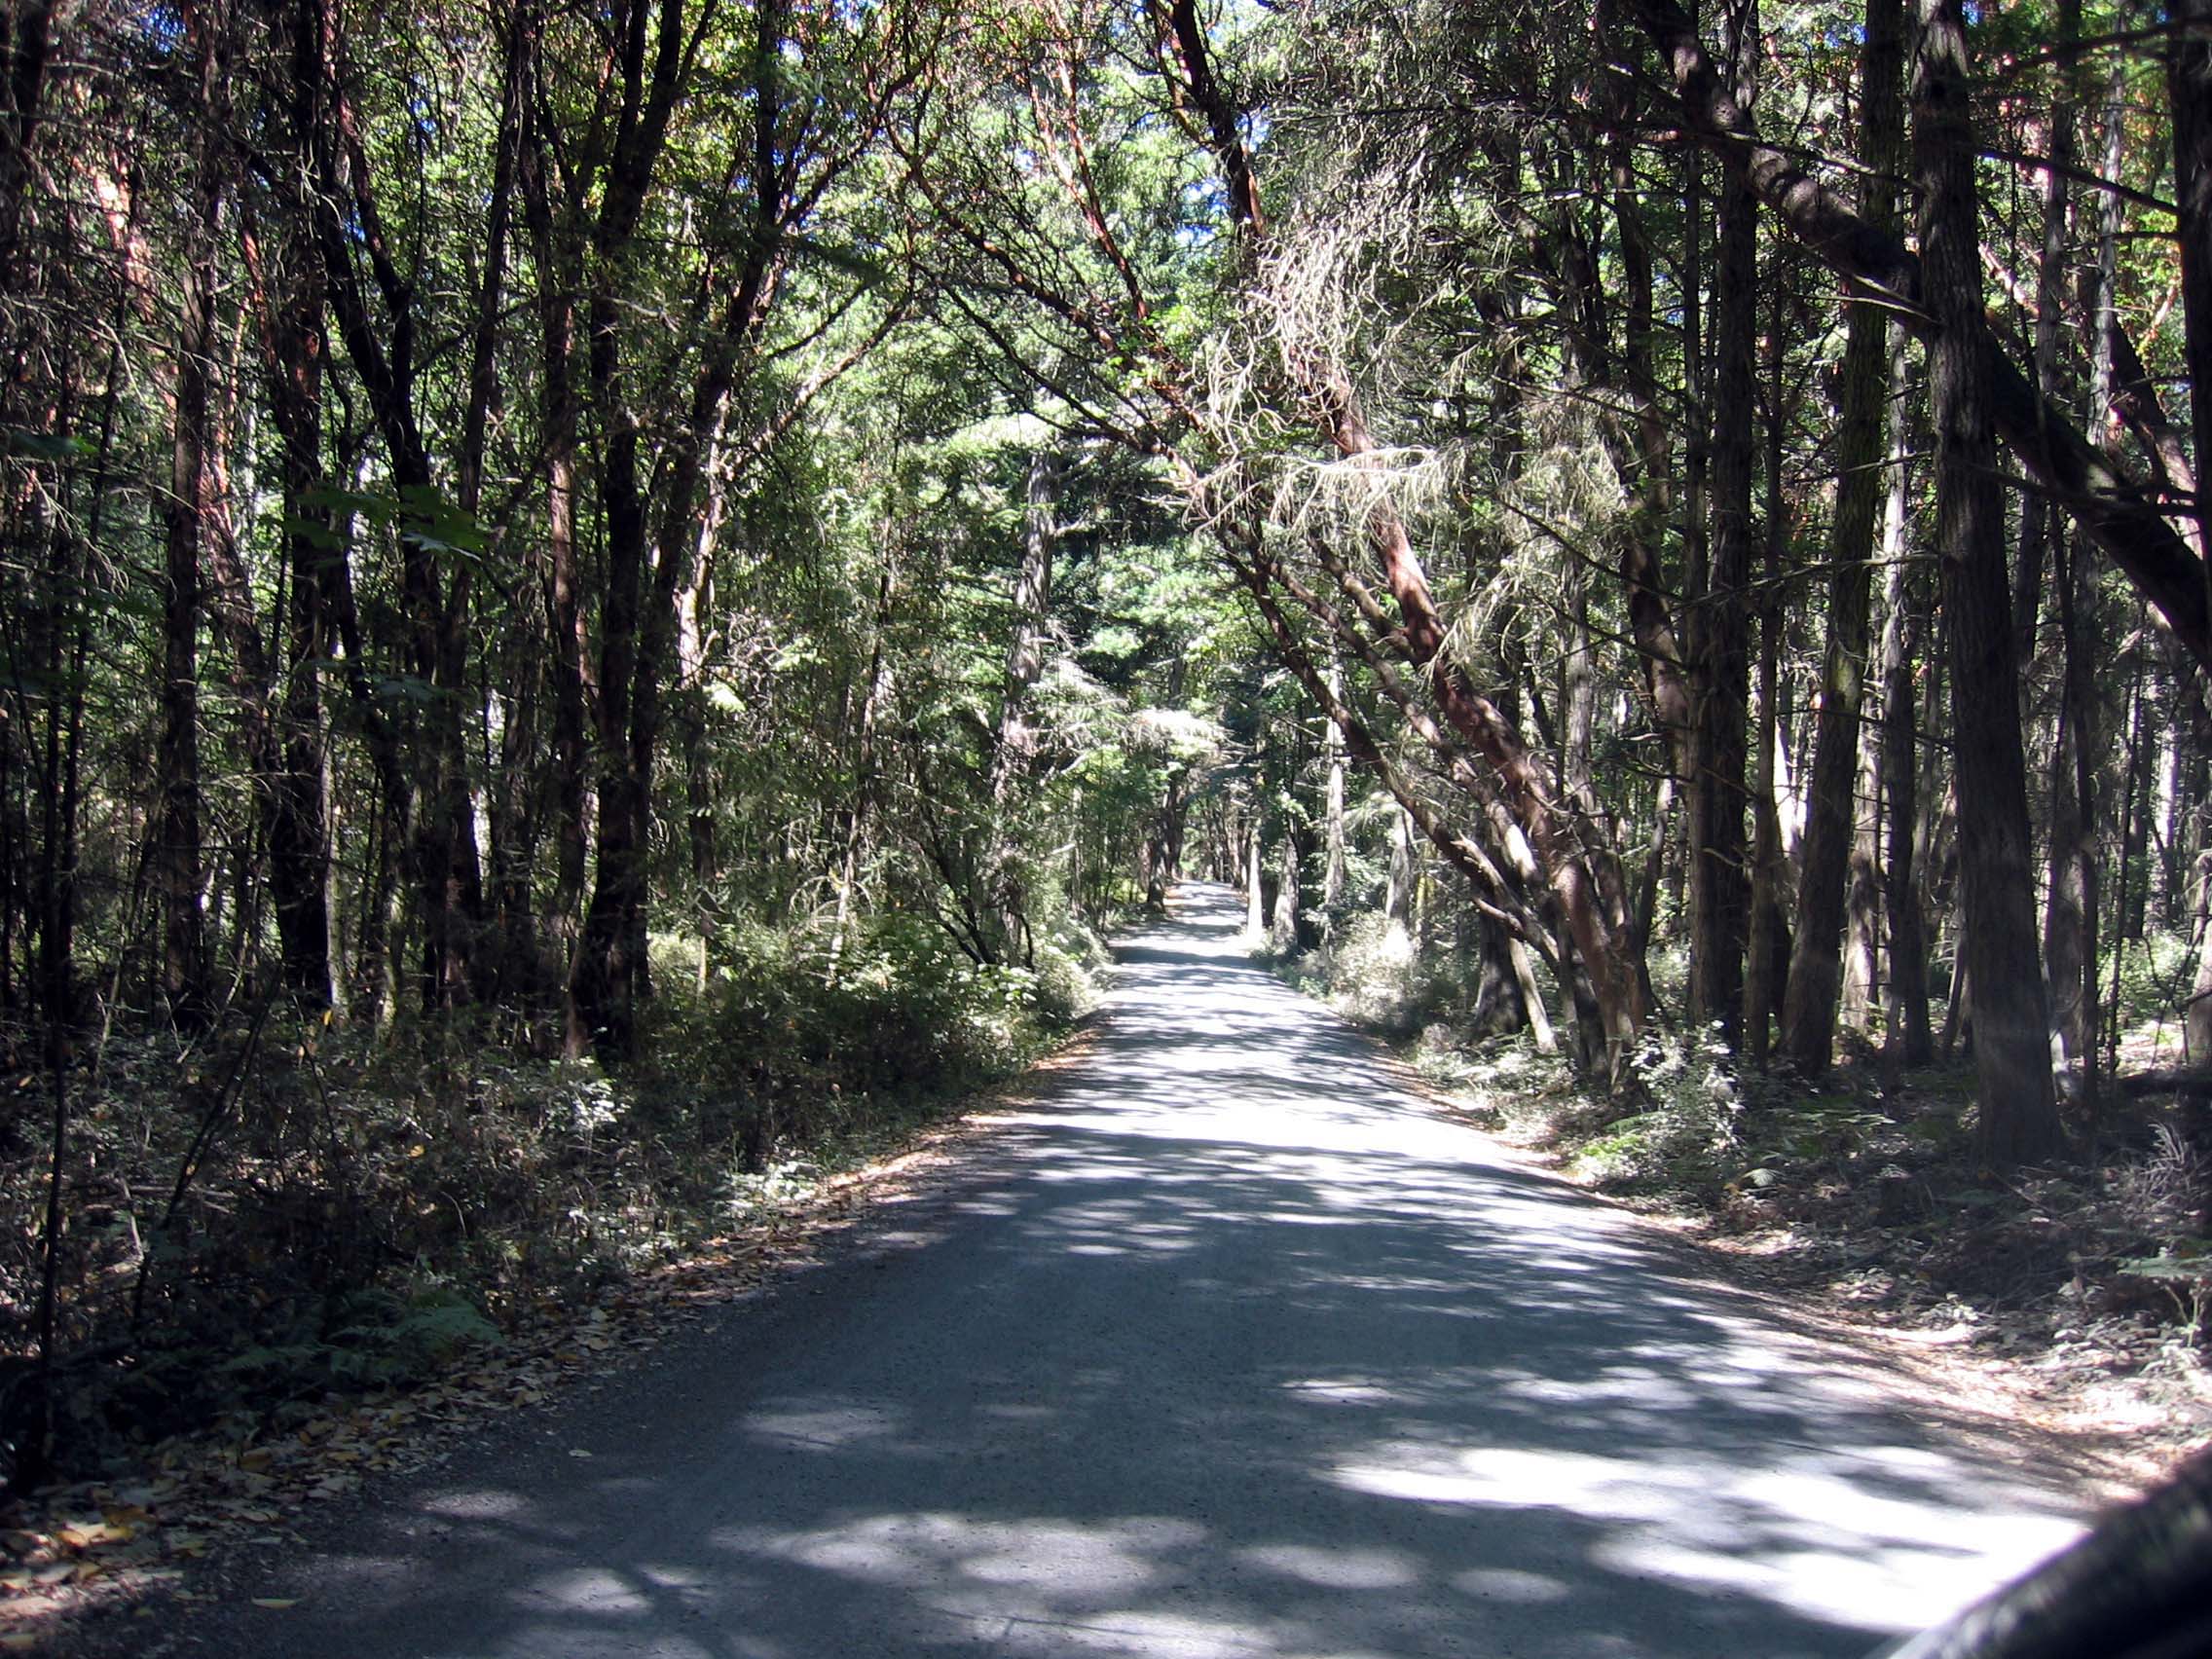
(2071, 1300)
(86, 1561)
(300, 1257)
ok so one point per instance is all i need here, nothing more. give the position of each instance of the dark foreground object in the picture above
(2139, 1587)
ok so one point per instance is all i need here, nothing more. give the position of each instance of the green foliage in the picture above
(1689, 1123)
(1376, 977)
(364, 1340)
(363, 1213)
(2153, 980)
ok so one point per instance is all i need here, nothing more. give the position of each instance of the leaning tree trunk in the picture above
(2018, 1121)
(1572, 862)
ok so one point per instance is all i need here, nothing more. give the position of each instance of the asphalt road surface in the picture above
(1227, 1348)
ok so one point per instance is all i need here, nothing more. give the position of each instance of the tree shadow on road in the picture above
(1225, 1348)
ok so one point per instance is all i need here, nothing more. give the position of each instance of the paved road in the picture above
(1228, 1350)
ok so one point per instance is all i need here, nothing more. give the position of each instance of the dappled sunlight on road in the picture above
(1230, 1348)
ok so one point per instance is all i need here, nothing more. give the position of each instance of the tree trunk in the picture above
(2189, 81)
(2070, 916)
(1255, 910)
(299, 839)
(1283, 934)
(1908, 1038)
(1862, 888)
(568, 663)
(185, 971)
(1767, 951)
(603, 973)
(1333, 823)
(1015, 753)
(1719, 657)
(2019, 1121)
(1809, 1007)
(874, 691)
(609, 976)
(2039, 518)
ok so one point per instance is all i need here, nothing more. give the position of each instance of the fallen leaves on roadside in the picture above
(66, 1546)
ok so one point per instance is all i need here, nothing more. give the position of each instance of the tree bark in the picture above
(2189, 81)
(608, 967)
(2070, 914)
(568, 664)
(1015, 753)
(2106, 506)
(1333, 822)
(300, 843)
(1720, 653)
(1282, 931)
(2018, 1118)
(1255, 910)
(1767, 950)
(1907, 1038)
(185, 970)
(1809, 1005)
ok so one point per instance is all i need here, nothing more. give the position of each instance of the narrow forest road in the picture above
(1227, 1348)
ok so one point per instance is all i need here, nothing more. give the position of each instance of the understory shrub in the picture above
(287, 1210)
(1375, 975)
(1688, 1126)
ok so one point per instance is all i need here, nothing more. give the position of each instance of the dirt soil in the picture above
(2025, 1299)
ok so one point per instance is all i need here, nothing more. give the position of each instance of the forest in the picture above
(607, 599)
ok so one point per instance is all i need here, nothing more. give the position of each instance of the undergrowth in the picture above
(1860, 1187)
(289, 1209)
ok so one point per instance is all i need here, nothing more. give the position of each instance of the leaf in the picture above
(88, 1534)
(2167, 1267)
(276, 1603)
(44, 446)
